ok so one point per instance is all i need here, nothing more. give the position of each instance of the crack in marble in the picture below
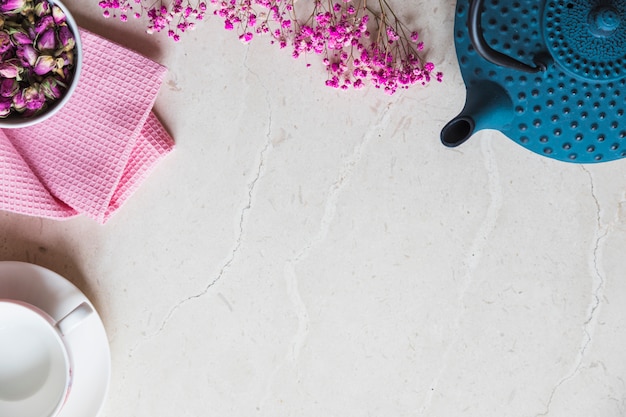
(233, 253)
(251, 187)
(472, 259)
(330, 208)
(346, 172)
(596, 296)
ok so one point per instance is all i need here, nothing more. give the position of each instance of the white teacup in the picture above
(35, 367)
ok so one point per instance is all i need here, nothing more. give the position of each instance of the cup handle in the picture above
(74, 318)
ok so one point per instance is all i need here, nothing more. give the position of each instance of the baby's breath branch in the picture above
(336, 30)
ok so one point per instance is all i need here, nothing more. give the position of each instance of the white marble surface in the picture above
(307, 252)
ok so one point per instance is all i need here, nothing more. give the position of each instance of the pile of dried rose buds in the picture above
(36, 56)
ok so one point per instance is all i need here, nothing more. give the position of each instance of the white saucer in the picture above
(87, 343)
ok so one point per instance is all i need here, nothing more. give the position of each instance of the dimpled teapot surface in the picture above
(549, 75)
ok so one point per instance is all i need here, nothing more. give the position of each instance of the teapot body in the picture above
(569, 99)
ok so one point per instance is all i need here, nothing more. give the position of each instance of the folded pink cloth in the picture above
(94, 153)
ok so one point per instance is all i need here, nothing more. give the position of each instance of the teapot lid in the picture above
(587, 38)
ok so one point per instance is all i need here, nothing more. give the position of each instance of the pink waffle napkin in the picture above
(94, 153)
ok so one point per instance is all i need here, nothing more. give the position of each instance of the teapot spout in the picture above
(458, 130)
(487, 106)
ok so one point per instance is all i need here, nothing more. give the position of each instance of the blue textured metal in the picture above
(573, 111)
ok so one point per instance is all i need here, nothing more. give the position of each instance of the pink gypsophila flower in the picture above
(338, 31)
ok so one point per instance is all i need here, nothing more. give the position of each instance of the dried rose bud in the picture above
(9, 87)
(10, 68)
(19, 102)
(65, 59)
(43, 24)
(58, 14)
(5, 42)
(12, 6)
(21, 37)
(52, 87)
(66, 38)
(42, 8)
(29, 98)
(5, 107)
(44, 64)
(27, 55)
(46, 41)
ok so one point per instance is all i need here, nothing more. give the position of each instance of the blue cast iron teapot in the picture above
(549, 74)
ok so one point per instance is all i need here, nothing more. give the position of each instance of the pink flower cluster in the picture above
(176, 18)
(357, 44)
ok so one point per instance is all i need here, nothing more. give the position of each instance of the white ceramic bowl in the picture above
(16, 121)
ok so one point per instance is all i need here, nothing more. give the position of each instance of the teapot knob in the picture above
(603, 21)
